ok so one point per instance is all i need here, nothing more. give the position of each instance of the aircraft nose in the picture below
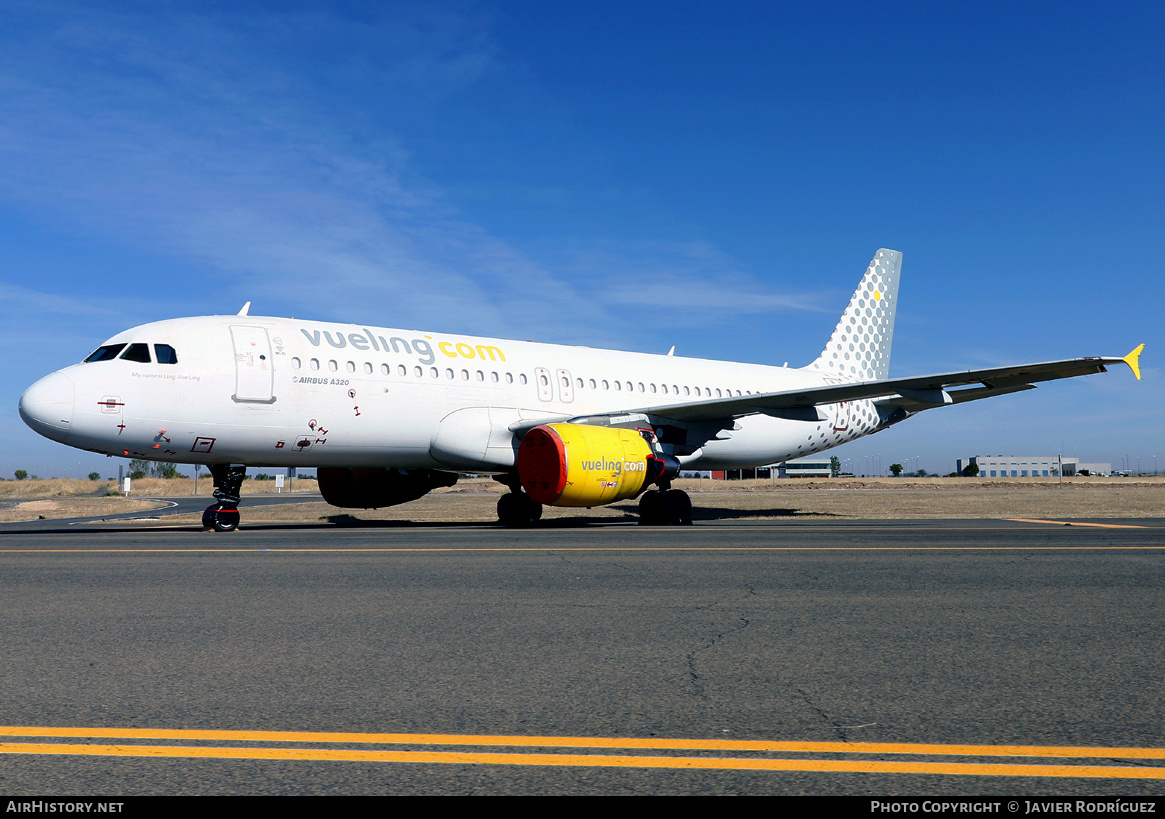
(47, 406)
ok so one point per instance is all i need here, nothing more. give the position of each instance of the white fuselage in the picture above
(283, 392)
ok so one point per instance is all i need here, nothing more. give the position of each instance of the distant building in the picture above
(799, 468)
(805, 468)
(745, 474)
(1031, 466)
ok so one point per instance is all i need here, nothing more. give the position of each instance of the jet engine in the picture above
(364, 488)
(581, 465)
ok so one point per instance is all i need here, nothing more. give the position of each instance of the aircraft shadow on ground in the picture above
(346, 521)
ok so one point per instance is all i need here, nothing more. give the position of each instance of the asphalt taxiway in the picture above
(926, 657)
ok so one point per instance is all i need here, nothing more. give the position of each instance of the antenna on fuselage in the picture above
(243, 312)
(672, 350)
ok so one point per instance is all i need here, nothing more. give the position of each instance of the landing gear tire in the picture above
(516, 510)
(220, 519)
(665, 507)
(679, 507)
(223, 516)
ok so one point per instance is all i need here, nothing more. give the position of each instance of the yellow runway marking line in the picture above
(1077, 523)
(482, 740)
(584, 760)
(545, 549)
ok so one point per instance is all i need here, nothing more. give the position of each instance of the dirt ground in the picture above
(56, 498)
(474, 500)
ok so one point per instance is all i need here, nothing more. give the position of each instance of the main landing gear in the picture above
(518, 510)
(223, 516)
(665, 507)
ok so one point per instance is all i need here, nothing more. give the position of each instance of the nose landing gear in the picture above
(223, 516)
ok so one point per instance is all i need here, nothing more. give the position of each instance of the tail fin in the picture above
(859, 348)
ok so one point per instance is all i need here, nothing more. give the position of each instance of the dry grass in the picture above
(473, 500)
(57, 498)
(53, 488)
(862, 499)
(141, 488)
(72, 507)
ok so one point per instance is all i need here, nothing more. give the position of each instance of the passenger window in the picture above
(385, 369)
(333, 366)
(449, 374)
(315, 363)
(137, 352)
(522, 378)
(296, 363)
(105, 353)
(368, 368)
(164, 354)
(418, 372)
(401, 369)
(351, 366)
(465, 375)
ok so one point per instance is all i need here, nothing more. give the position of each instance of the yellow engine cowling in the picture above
(580, 465)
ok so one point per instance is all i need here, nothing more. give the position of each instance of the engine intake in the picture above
(580, 465)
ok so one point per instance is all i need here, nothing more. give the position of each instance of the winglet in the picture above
(247, 307)
(1133, 359)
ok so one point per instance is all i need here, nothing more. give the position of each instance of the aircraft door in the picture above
(565, 388)
(545, 385)
(254, 371)
(839, 413)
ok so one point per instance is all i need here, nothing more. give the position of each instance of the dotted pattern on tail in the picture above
(859, 349)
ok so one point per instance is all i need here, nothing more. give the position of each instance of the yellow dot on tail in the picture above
(877, 296)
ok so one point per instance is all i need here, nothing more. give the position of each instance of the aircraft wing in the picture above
(913, 394)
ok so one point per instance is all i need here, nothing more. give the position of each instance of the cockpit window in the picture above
(165, 354)
(137, 352)
(106, 353)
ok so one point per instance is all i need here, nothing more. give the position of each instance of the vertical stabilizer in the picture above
(859, 348)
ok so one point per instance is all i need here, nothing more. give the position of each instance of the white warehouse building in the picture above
(1032, 466)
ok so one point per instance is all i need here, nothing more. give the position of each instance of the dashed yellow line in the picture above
(949, 768)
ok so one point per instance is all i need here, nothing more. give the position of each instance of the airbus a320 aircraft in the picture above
(386, 415)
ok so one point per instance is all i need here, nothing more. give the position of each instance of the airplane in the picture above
(386, 416)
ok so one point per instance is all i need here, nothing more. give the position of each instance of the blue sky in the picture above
(631, 175)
